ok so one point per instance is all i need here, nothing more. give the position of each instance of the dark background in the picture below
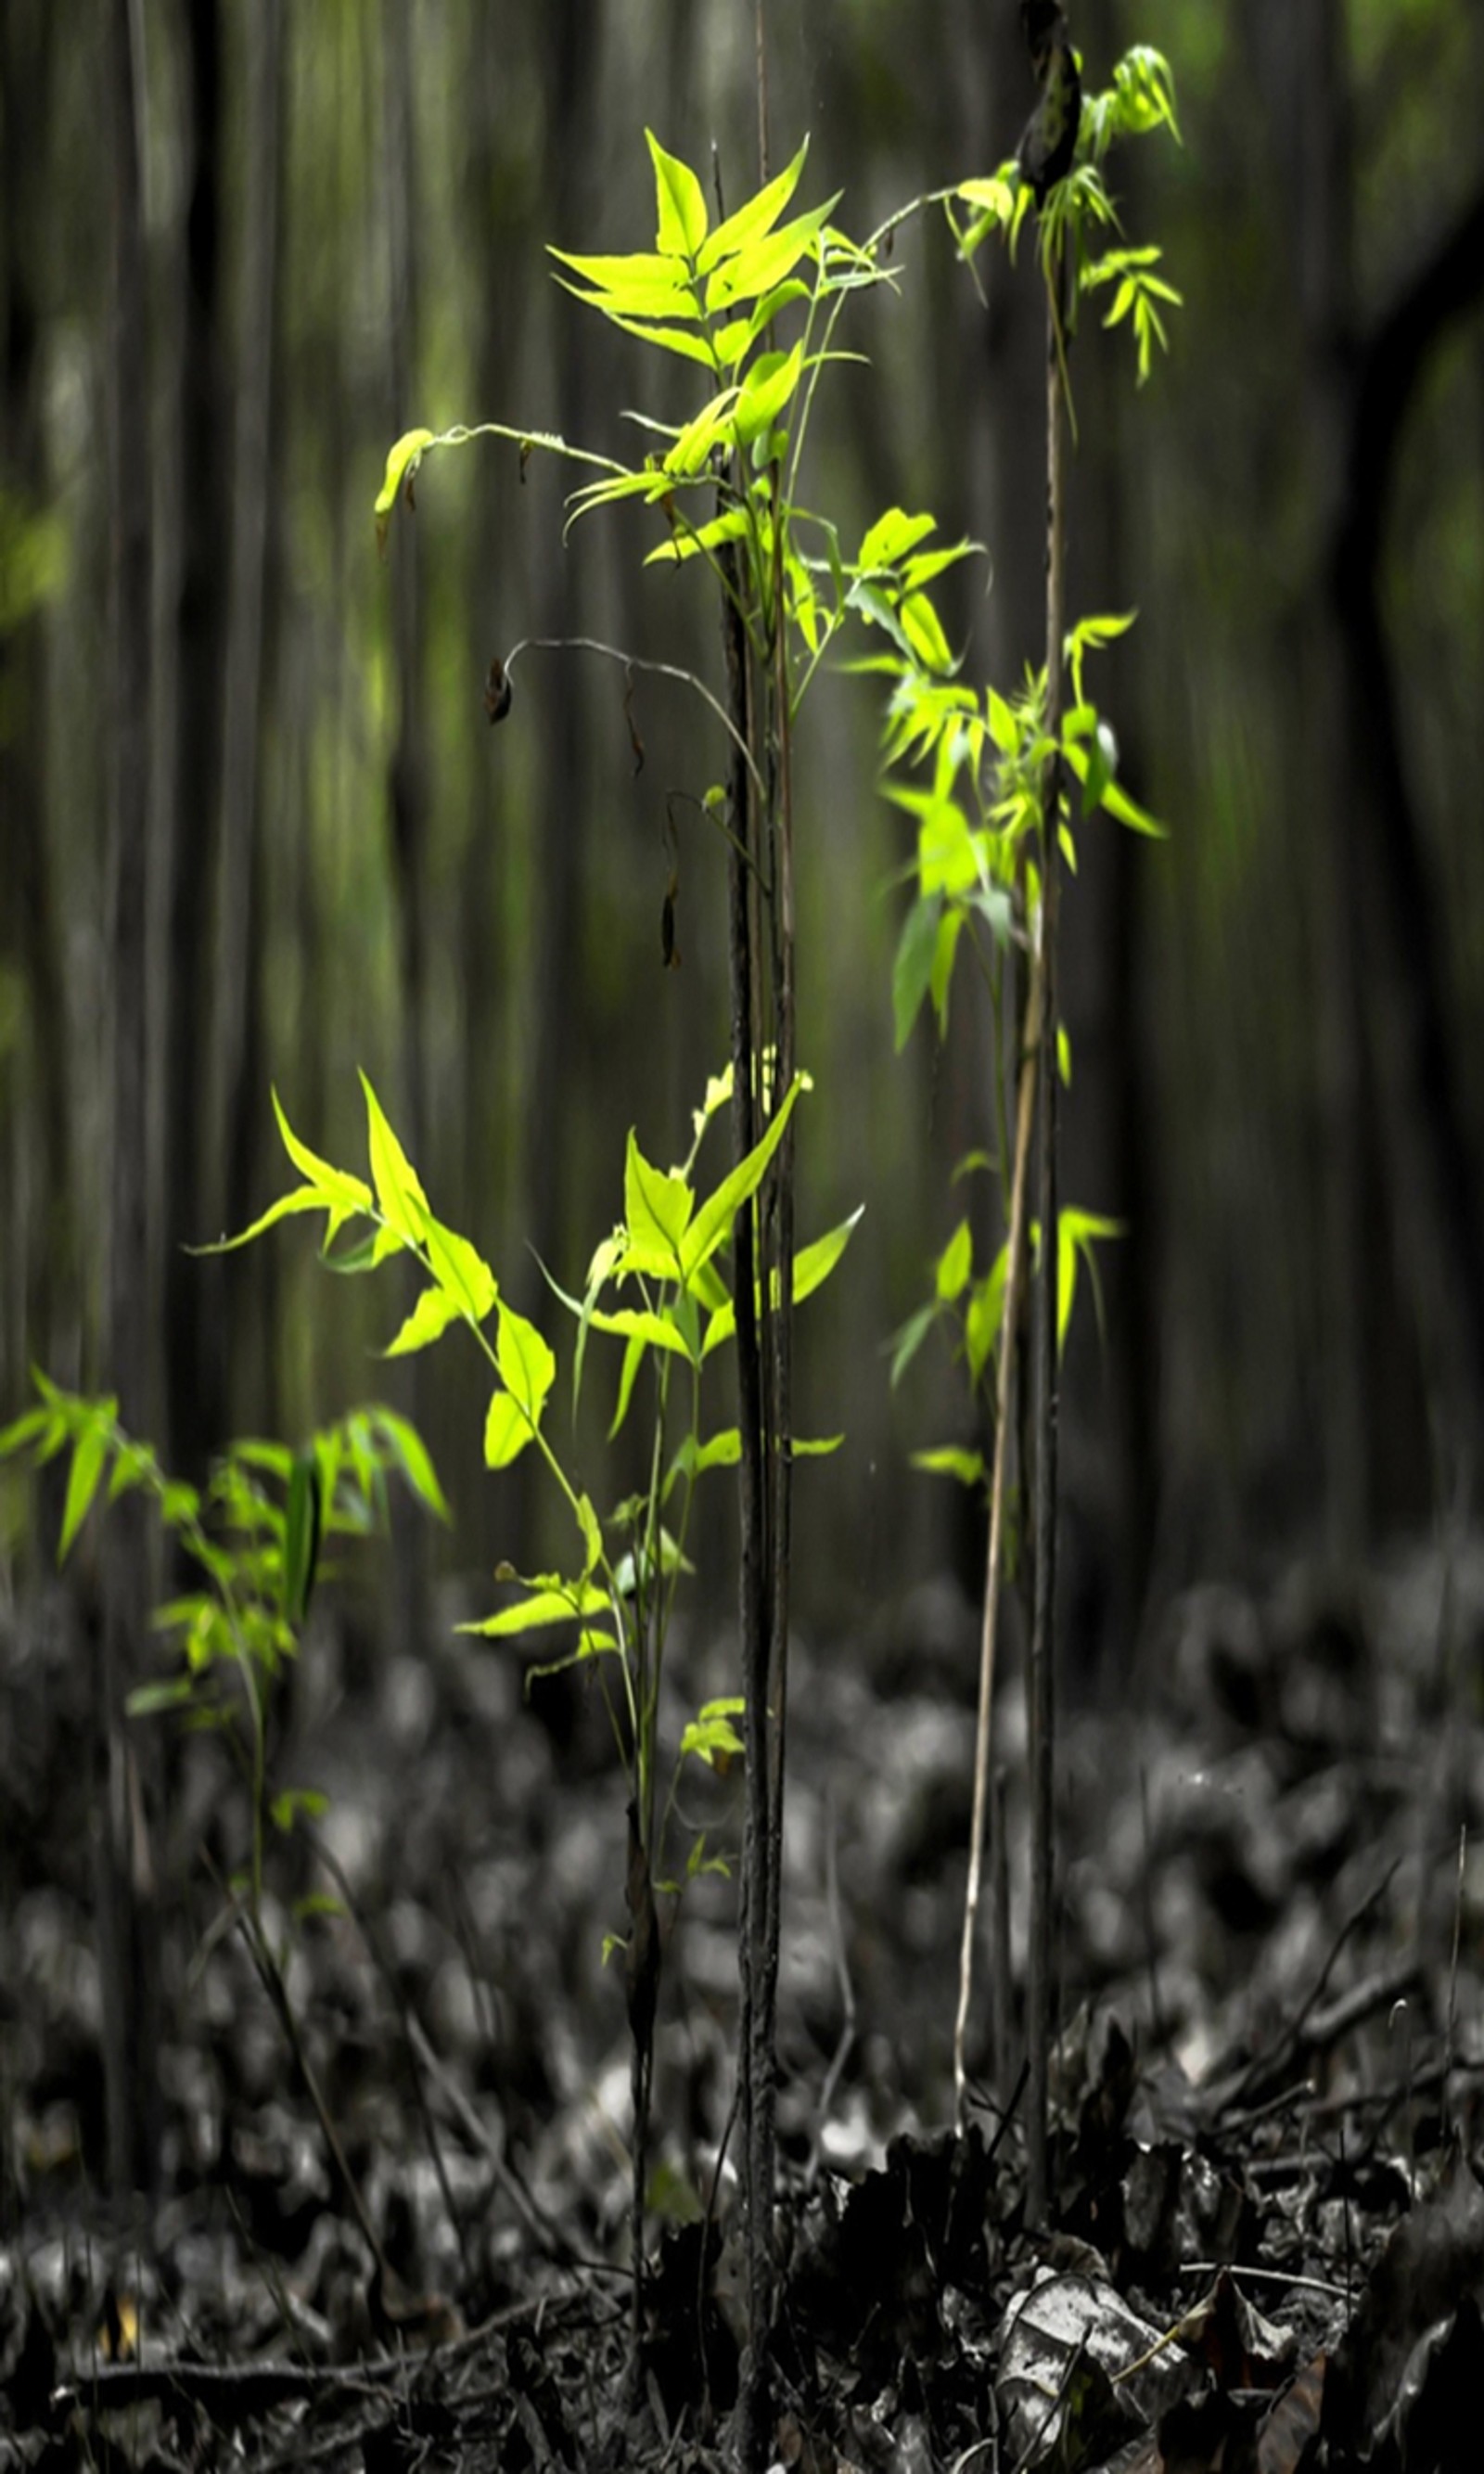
(254, 829)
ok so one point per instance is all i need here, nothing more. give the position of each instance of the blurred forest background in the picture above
(255, 830)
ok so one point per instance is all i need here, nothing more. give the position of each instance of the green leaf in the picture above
(403, 1200)
(950, 1460)
(771, 384)
(527, 1368)
(680, 204)
(507, 1431)
(713, 1223)
(891, 536)
(286, 1808)
(344, 1194)
(711, 1732)
(23, 1430)
(592, 1535)
(815, 1447)
(813, 1263)
(303, 1198)
(955, 1264)
(657, 1208)
(460, 1270)
(766, 263)
(558, 1602)
(758, 216)
(638, 286)
(694, 1458)
(303, 1524)
(909, 1339)
(413, 1460)
(428, 1321)
(88, 1454)
(912, 968)
(149, 1698)
(402, 464)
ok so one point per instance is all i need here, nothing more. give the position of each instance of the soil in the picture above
(1267, 2250)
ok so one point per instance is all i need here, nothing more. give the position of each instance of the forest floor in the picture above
(1268, 2243)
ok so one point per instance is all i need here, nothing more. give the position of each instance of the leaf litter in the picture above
(1268, 2249)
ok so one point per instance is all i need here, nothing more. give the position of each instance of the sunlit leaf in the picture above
(90, 1452)
(403, 1200)
(955, 1264)
(429, 1320)
(527, 1367)
(507, 1430)
(950, 1460)
(680, 204)
(757, 216)
(401, 465)
(912, 968)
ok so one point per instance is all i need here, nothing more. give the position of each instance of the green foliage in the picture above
(977, 771)
(253, 1534)
(1140, 101)
(656, 1283)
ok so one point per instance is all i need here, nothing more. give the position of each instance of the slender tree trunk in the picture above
(407, 791)
(125, 1888)
(569, 49)
(36, 1213)
(1432, 1172)
(193, 1288)
(238, 1095)
(1318, 142)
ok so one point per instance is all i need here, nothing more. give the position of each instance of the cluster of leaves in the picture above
(1140, 99)
(977, 771)
(712, 295)
(253, 1533)
(656, 1283)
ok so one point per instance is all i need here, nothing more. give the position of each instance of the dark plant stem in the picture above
(754, 2058)
(1040, 1678)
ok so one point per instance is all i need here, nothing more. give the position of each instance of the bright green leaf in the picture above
(403, 1200)
(680, 204)
(507, 1430)
(912, 968)
(527, 1368)
(89, 1455)
(950, 1460)
(955, 1264)
(429, 1320)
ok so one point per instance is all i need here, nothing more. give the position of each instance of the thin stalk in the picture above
(999, 1487)
(1041, 1673)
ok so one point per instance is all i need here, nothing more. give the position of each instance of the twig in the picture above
(1452, 1973)
(1040, 1680)
(655, 669)
(1263, 2074)
(1005, 1394)
(847, 1992)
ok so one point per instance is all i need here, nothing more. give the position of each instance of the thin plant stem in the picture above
(1041, 1671)
(999, 1487)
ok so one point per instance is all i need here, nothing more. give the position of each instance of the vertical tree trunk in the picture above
(570, 43)
(194, 1410)
(1433, 1172)
(36, 1212)
(125, 1890)
(1318, 142)
(240, 915)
